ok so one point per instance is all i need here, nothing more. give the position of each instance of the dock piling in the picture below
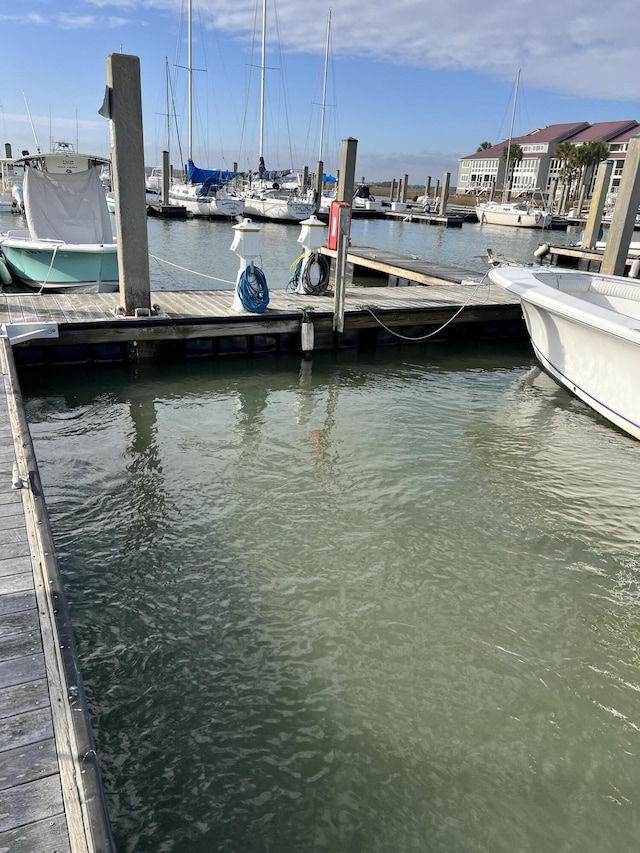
(124, 110)
(624, 214)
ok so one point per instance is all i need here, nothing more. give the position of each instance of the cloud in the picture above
(575, 47)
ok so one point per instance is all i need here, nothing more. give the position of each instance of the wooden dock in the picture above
(575, 257)
(51, 796)
(399, 268)
(204, 323)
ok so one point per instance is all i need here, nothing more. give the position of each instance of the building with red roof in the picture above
(484, 172)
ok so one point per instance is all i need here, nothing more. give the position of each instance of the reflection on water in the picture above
(368, 602)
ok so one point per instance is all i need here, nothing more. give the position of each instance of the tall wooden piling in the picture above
(345, 194)
(444, 195)
(124, 110)
(594, 217)
(624, 214)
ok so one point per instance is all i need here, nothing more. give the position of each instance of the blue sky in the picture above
(419, 83)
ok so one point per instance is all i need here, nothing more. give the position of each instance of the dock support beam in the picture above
(624, 214)
(444, 195)
(345, 193)
(594, 217)
(124, 109)
(319, 185)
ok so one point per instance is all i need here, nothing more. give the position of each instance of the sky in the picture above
(418, 83)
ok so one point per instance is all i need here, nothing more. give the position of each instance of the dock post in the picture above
(402, 197)
(166, 168)
(551, 198)
(444, 195)
(427, 187)
(317, 200)
(624, 214)
(123, 107)
(392, 190)
(594, 217)
(345, 193)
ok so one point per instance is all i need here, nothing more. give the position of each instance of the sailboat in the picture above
(519, 214)
(276, 196)
(205, 192)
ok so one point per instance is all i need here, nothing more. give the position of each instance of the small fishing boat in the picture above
(585, 331)
(68, 244)
(11, 176)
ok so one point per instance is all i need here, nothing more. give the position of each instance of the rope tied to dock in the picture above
(482, 281)
(186, 269)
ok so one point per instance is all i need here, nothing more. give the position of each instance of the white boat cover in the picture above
(71, 208)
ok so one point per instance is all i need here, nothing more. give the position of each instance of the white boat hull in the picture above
(587, 339)
(209, 206)
(278, 209)
(62, 267)
(516, 216)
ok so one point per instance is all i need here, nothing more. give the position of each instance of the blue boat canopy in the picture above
(328, 179)
(212, 177)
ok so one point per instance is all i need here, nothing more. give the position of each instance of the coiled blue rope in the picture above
(253, 290)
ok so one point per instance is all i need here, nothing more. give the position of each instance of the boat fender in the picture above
(542, 250)
(5, 275)
(634, 272)
(306, 332)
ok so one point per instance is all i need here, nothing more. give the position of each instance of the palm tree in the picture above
(588, 156)
(515, 155)
(483, 146)
(566, 155)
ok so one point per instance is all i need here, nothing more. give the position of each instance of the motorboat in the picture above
(153, 181)
(364, 202)
(519, 214)
(585, 331)
(68, 244)
(11, 177)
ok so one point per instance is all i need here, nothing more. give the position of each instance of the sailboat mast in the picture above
(324, 86)
(513, 118)
(190, 83)
(166, 81)
(263, 75)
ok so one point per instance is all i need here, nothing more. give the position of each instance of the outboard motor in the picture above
(17, 200)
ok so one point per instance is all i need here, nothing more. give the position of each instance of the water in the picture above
(370, 602)
(196, 254)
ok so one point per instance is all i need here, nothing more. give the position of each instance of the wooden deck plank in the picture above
(40, 798)
(49, 834)
(44, 804)
(28, 763)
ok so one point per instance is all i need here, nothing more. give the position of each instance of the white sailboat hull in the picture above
(210, 206)
(278, 209)
(516, 215)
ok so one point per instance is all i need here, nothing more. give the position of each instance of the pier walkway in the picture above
(204, 322)
(50, 789)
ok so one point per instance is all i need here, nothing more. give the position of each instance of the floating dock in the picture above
(203, 323)
(51, 795)
(574, 257)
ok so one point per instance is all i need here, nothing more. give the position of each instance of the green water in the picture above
(378, 603)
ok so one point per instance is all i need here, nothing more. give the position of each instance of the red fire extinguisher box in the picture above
(339, 212)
